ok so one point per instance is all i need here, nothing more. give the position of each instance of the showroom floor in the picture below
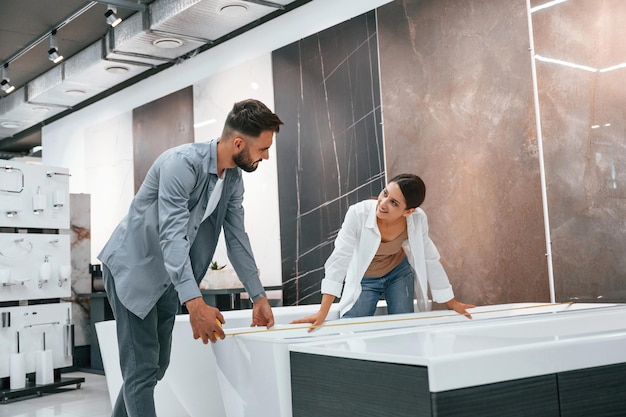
(91, 400)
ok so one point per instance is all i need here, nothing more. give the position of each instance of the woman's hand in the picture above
(459, 307)
(316, 319)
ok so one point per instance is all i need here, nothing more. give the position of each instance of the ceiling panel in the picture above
(99, 58)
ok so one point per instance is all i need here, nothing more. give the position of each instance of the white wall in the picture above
(213, 98)
(93, 143)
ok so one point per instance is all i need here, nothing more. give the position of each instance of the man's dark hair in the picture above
(413, 189)
(251, 117)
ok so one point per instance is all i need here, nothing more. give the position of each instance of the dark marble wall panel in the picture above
(583, 117)
(158, 126)
(330, 150)
(458, 111)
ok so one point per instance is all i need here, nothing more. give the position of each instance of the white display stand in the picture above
(36, 339)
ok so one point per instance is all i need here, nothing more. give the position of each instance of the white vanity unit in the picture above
(190, 387)
(254, 366)
(566, 360)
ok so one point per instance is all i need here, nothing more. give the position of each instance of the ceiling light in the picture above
(546, 5)
(614, 67)
(11, 124)
(74, 92)
(112, 19)
(5, 84)
(41, 109)
(565, 63)
(234, 10)
(167, 43)
(53, 52)
(117, 69)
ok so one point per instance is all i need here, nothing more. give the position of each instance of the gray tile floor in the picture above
(91, 400)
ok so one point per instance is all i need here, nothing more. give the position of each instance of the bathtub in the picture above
(192, 374)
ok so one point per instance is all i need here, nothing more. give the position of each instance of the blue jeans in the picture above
(397, 286)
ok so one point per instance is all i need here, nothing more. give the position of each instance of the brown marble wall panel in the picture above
(583, 117)
(158, 126)
(458, 111)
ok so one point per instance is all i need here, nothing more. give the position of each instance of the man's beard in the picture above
(243, 161)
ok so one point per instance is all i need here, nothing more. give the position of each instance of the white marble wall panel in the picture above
(31, 322)
(80, 249)
(213, 99)
(33, 196)
(34, 266)
(108, 156)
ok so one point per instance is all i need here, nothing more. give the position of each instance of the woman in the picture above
(383, 248)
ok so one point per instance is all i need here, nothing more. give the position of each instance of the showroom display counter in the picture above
(563, 360)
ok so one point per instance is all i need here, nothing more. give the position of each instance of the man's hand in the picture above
(203, 320)
(262, 313)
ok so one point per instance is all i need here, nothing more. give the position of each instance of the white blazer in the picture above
(357, 243)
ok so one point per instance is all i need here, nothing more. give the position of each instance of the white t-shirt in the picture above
(214, 198)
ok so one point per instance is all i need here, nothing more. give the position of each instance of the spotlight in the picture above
(112, 18)
(5, 84)
(53, 52)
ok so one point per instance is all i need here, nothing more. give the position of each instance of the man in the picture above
(160, 251)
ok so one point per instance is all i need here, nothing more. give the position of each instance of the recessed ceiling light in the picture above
(41, 109)
(234, 10)
(11, 124)
(117, 69)
(74, 92)
(167, 43)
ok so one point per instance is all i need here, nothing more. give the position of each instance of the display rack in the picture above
(37, 390)
(36, 329)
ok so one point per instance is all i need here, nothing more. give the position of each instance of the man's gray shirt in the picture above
(163, 240)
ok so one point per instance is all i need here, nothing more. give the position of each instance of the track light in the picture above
(112, 18)
(5, 84)
(53, 52)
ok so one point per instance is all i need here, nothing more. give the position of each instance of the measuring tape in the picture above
(395, 320)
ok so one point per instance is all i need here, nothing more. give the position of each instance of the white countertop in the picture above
(515, 342)
(284, 333)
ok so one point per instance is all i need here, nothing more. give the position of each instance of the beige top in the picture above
(388, 256)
